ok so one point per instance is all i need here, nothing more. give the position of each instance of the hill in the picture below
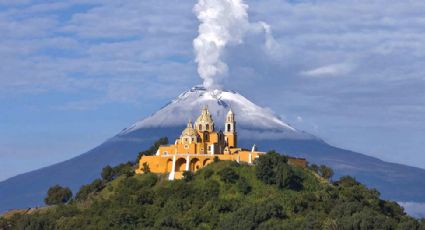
(255, 125)
(224, 195)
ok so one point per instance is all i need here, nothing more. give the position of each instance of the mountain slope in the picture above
(255, 125)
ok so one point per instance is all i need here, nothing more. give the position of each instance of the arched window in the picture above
(207, 127)
(229, 127)
(200, 127)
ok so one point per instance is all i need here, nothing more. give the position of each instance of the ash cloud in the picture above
(223, 23)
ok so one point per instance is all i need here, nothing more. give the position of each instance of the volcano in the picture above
(255, 125)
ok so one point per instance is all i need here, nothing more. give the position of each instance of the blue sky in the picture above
(74, 73)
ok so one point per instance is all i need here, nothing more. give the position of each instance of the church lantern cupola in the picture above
(205, 121)
(189, 134)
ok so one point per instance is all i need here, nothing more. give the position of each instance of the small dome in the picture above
(189, 130)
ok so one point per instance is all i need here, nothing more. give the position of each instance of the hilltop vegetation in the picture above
(224, 195)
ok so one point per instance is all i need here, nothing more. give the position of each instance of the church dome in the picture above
(205, 117)
(189, 130)
(205, 121)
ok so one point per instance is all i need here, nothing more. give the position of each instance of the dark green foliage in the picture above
(224, 195)
(228, 175)
(152, 150)
(326, 172)
(57, 195)
(150, 180)
(243, 186)
(273, 168)
(346, 181)
(207, 173)
(251, 216)
(108, 173)
(85, 190)
(314, 168)
(409, 224)
(216, 159)
(187, 176)
(124, 169)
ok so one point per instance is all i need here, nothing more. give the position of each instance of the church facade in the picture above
(197, 147)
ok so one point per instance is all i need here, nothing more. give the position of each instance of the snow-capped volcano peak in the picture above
(252, 120)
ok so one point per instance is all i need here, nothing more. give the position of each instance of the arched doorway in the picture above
(207, 162)
(180, 165)
(195, 164)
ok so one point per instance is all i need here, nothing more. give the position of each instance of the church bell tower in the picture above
(230, 130)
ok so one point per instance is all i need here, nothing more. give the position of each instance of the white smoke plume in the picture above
(223, 23)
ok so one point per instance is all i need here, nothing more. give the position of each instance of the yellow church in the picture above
(197, 147)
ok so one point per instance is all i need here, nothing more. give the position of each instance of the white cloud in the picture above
(414, 209)
(332, 70)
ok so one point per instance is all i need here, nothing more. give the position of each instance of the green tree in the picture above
(85, 190)
(273, 168)
(282, 175)
(326, 172)
(347, 181)
(314, 168)
(265, 169)
(108, 173)
(58, 195)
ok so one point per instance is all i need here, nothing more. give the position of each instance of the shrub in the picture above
(243, 186)
(145, 197)
(347, 181)
(58, 195)
(85, 190)
(211, 189)
(326, 172)
(252, 216)
(124, 169)
(228, 175)
(108, 173)
(314, 168)
(208, 173)
(187, 176)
